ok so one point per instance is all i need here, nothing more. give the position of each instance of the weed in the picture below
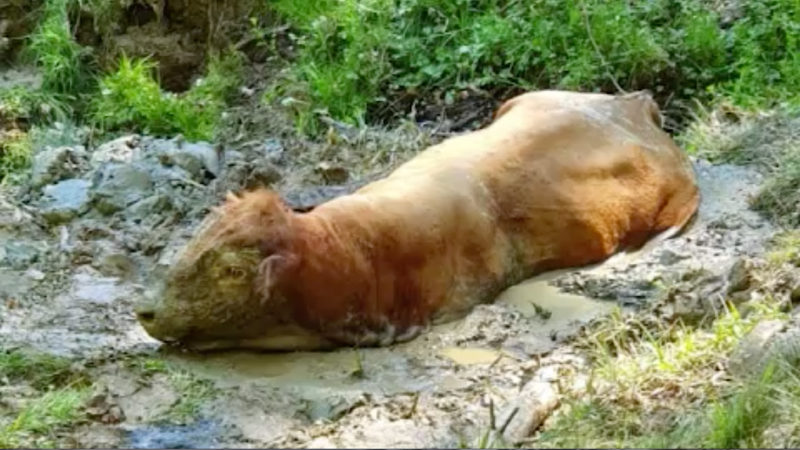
(36, 423)
(62, 61)
(64, 392)
(192, 392)
(649, 379)
(15, 152)
(767, 139)
(131, 99)
(21, 106)
(41, 371)
(785, 248)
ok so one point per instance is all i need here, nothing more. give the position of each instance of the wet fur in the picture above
(558, 180)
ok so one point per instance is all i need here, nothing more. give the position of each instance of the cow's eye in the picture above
(234, 273)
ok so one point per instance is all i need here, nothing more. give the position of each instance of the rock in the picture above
(112, 261)
(699, 295)
(65, 200)
(120, 150)
(536, 401)
(55, 164)
(321, 442)
(12, 216)
(19, 254)
(740, 276)
(153, 205)
(117, 186)
(264, 174)
(749, 355)
(198, 158)
(668, 257)
(35, 275)
(273, 151)
(332, 174)
(306, 198)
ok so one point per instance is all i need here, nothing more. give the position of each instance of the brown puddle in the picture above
(535, 297)
(403, 367)
(471, 355)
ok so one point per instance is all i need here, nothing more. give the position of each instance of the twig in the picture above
(597, 47)
(508, 421)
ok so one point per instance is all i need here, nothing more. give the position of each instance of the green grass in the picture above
(41, 371)
(767, 139)
(63, 63)
(36, 424)
(354, 55)
(15, 153)
(131, 99)
(60, 393)
(656, 385)
(193, 393)
(785, 248)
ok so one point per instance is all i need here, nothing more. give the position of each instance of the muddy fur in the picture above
(558, 180)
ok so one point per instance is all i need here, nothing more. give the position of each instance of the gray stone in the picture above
(750, 354)
(332, 174)
(117, 186)
(536, 401)
(668, 257)
(55, 164)
(19, 254)
(65, 200)
(153, 205)
(273, 150)
(264, 174)
(113, 261)
(197, 158)
(11, 215)
(740, 276)
(120, 150)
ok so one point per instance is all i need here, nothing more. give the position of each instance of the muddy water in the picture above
(554, 310)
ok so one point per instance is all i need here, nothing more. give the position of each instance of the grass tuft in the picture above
(61, 60)
(60, 392)
(657, 385)
(768, 139)
(131, 99)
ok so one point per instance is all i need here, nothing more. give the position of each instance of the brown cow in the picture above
(559, 179)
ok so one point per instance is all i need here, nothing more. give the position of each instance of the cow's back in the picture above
(576, 177)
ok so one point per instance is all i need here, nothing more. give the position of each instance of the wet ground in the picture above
(77, 250)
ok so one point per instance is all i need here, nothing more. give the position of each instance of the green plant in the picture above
(41, 371)
(36, 423)
(130, 98)
(653, 385)
(193, 393)
(356, 54)
(15, 153)
(62, 61)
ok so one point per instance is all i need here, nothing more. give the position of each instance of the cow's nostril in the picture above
(146, 316)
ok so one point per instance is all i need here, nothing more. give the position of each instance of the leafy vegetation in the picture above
(767, 138)
(352, 53)
(668, 388)
(36, 424)
(63, 63)
(60, 393)
(131, 98)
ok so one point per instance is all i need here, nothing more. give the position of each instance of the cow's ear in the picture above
(505, 107)
(272, 269)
